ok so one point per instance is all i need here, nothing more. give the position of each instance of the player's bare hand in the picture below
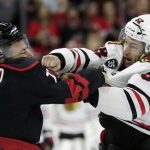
(51, 62)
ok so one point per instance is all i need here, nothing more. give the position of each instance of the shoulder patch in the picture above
(145, 59)
(111, 63)
(101, 52)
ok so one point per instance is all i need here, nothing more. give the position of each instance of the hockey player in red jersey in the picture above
(124, 103)
(25, 84)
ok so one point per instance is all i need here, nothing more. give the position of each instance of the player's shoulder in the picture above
(114, 45)
(114, 55)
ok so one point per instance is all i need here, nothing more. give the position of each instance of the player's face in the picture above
(132, 51)
(19, 49)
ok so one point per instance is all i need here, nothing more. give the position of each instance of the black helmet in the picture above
(8, 33)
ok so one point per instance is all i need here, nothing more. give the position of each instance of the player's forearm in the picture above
(73, 89)
(75, 59)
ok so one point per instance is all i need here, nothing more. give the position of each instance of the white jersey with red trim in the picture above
(128, 98)
(69, 118)
(131, 96)
(75, 59)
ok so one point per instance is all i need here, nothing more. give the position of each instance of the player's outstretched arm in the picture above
(72, 60)
(48, 90)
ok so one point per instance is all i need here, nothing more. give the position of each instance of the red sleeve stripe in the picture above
(140, 101)
(19, 69)
(139, 91)
(131, 104)
(78, 61)
(141, 124)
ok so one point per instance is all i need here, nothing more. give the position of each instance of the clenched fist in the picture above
(51, 62)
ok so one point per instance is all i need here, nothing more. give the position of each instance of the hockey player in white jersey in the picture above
(125, 102)
(68, 124)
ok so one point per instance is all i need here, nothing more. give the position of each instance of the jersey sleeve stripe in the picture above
(78, 60)
(142, 124)
(87, 59)
(138, 124)
(72, 68)
(132, 106)
(140, 91)
(73, 52)
(140, 101)
(62, 59)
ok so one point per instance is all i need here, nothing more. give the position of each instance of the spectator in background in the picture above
(32, 7)
(93, 21)
(52, 5)
(43, 32)
(10, 11)
(130, 6)
(73, 28)
(74, 42)
(77, 2)
(60, 17)
(93, 40)
(142, 7)
(110, 13)
(135, 8)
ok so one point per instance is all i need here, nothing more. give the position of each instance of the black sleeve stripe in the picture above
(140, 91)
(134, 113)
(61, 58)
(73, 53)
(74, 58)
(87, 59)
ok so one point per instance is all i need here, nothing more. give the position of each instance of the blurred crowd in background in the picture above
(51, 24)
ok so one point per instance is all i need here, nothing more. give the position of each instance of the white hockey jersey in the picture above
(68, 118)
(128, 98)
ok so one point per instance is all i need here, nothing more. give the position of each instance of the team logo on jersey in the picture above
(145, 59)
(111, 63)
(139, 20)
